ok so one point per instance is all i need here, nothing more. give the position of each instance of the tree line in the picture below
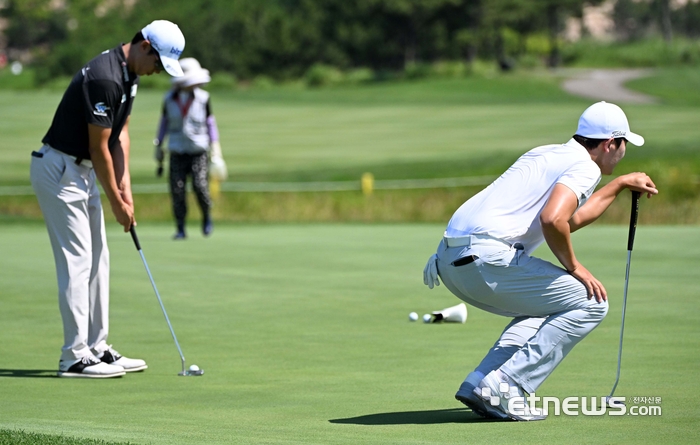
(285, 38)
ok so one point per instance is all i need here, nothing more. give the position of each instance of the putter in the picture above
(185, 371)
(630, 244)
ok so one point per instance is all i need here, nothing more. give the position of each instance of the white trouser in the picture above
(551, 310)
(70, 201)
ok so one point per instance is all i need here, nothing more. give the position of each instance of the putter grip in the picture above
(633, 219)
(135, 238)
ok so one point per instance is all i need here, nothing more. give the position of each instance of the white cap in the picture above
(604, 121)
(193, 74)
(167, 39)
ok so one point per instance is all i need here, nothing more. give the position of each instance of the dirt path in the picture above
(608, 85)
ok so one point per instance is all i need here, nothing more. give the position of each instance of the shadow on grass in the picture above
(29, 373)
(453, 415)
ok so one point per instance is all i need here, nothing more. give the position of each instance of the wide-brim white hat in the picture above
(193, 74)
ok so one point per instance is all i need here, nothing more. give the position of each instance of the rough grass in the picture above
(651, 52)
(390, 206)
(21, 437)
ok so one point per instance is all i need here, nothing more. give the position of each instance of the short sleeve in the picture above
(582, 178)
(102, 98)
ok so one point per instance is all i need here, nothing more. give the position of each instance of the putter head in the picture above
(187, 373)
(614, 402)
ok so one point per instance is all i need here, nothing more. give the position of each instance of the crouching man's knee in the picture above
(598, 311)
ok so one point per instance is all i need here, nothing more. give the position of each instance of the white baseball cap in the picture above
(167, 39)
(603, 120)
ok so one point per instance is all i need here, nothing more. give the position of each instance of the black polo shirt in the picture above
(101, 93)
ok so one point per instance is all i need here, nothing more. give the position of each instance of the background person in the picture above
(484, 257)
(188, 121)
(88, 141)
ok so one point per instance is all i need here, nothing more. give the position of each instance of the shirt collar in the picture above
(574, 144)
(127, 76)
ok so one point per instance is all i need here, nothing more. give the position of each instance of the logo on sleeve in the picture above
(100, 109)
(590, 191)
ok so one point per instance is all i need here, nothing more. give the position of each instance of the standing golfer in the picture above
(188, 120)
(88, 141)
(484, 258)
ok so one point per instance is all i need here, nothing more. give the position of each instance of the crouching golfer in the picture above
(89, 141)
(484, 258)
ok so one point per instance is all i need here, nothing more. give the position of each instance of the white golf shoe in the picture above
(504, 395)
(112, 357)
(89, 367)
(466, 395)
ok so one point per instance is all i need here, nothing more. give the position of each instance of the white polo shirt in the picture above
(509, 208)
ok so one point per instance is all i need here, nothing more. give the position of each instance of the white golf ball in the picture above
(194, 368)
(426, 318)
(413, 316)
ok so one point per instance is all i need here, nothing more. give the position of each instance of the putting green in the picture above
(303, 333)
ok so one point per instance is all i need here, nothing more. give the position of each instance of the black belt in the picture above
(465, 260)
(78, 159)
(37, 154)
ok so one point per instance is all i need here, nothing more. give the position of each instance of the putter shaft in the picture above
(622, 325)
(160, 301)
(630, 245)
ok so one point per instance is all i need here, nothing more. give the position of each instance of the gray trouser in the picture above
(70, 202)
(550, 308)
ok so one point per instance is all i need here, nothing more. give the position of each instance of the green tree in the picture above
(525, 17)
(285, 38)
(33, 24)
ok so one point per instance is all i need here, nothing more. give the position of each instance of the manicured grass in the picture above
(302, 329)
(435, 128)
(290, 134)
(430, 128)
(303, 334)
(675, 86)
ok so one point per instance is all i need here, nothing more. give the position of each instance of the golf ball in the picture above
(413, 316)
(194, 368)
(426, 318)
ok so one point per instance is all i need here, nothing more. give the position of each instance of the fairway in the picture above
(303, 333)
(434, 128)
